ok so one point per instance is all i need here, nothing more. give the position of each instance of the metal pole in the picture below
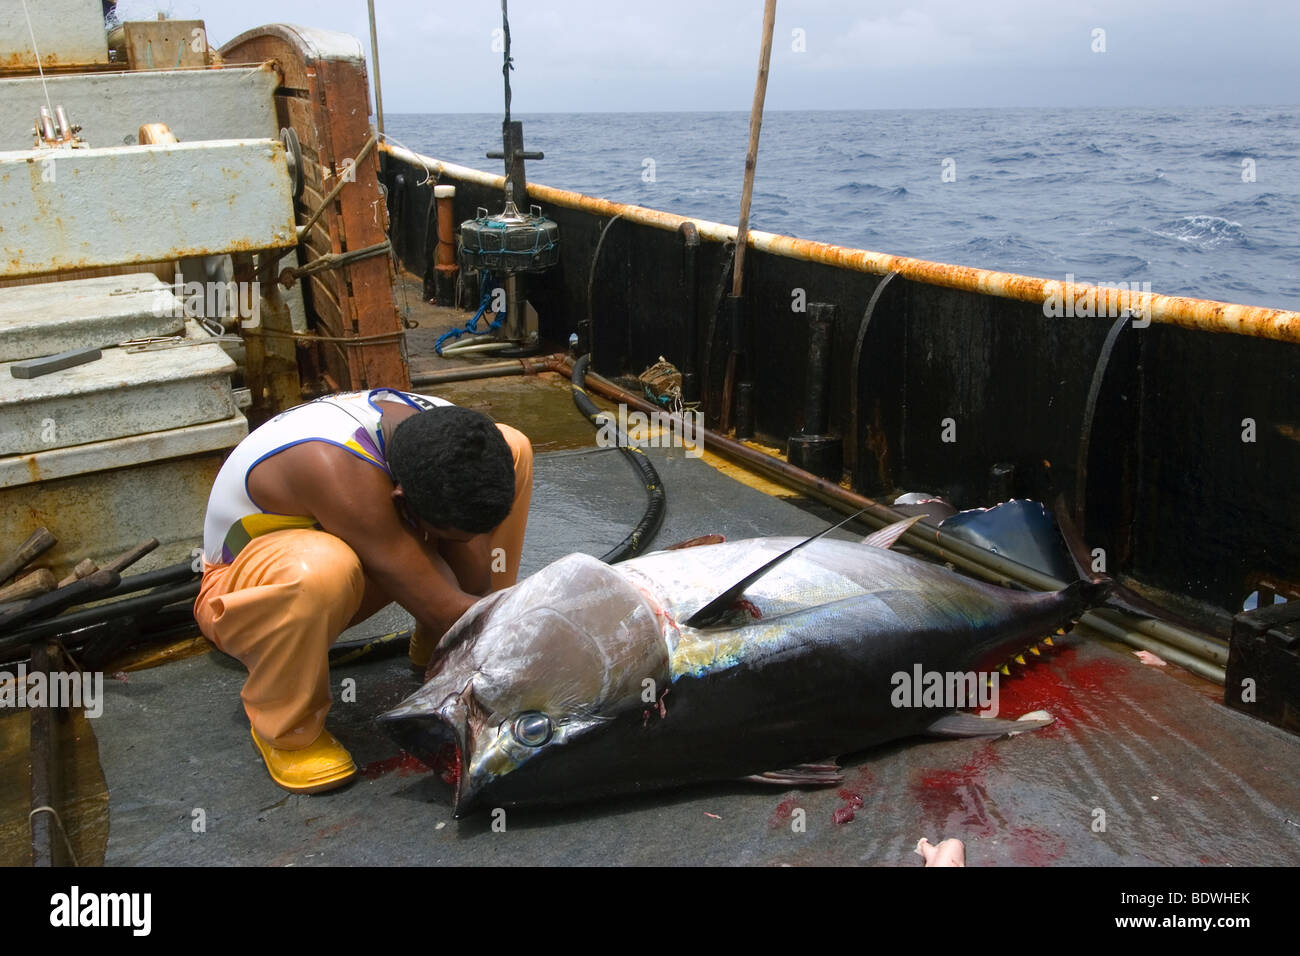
(374, 59)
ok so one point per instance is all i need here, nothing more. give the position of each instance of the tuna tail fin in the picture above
(713, 612)
(1089, 592)
(1116, 594)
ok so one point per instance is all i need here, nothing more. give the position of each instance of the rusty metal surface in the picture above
(1203, 314)
(165, 44)
(231, 103)
(99, 515)
(69, 33)
(44, 781)
(75, 209)
(324, 97)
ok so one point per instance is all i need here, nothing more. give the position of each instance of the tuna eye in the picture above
(532, 729)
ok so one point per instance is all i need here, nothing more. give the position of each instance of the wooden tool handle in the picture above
(50, 604)
(131, 557)
(40, 542)
(29, 585)
(83, 569)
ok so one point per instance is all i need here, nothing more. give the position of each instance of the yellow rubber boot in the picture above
(421, 648)
(324, 765)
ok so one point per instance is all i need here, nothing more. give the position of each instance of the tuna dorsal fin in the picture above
(715, 609)
(886, 536)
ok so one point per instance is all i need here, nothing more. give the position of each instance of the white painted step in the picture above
(118, 453)
(54, 317)
(118, 395)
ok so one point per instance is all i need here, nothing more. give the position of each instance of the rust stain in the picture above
(1202, 314)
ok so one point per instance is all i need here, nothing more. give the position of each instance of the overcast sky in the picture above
(601, 55)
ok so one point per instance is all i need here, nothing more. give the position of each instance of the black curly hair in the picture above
(454, 467)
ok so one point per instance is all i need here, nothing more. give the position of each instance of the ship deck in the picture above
(1144, 765)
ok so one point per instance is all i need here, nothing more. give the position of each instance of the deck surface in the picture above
(1180, 779)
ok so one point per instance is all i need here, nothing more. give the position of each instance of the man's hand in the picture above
(352, 499)
(471, 561)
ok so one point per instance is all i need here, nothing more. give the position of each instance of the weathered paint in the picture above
(99, 515)
(324, 97)
(119, 453)
(80, 208)
(1187, 312)
(118, 395)
(68, 33)
(50, 317)
(232, 103)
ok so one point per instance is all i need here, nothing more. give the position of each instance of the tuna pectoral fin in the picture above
(717, 609)
(826, 774)
(886, 536)
(968, 725)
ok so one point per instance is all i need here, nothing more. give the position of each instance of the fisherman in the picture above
(329, 512)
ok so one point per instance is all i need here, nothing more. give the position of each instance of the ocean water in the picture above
(1197, 201)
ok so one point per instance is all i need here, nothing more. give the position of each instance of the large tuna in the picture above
(584, 680)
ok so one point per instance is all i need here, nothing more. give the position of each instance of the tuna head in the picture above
(529, 670)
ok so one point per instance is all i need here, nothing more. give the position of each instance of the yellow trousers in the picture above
(284, 600)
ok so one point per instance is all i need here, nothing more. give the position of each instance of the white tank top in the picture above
(348, 420)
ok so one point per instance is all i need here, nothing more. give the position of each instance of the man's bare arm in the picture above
(352, 499)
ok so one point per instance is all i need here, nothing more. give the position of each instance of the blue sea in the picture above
(1195, 201)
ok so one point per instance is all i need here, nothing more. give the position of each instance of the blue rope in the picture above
(472, 325)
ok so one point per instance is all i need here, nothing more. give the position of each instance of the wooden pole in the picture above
(751, 155)
(374, 60)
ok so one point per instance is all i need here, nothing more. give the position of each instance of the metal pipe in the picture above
(42, 818)
(445, 268)
(817, 383)
(374, 59)
(471, 372)
(1202, 314)
(690, 309)
(1166, 652)
(469, 345)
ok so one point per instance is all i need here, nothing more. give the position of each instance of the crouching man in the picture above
(327, 513)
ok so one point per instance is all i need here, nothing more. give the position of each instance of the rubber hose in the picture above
(641, 536)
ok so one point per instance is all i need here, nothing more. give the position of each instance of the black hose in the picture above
(646, 528)
(371, 648)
